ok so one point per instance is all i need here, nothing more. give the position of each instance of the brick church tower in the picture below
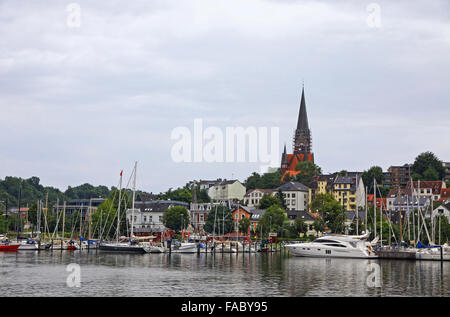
(302, 144)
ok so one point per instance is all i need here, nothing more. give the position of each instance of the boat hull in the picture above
(28, 247)
(9, 247)
(121, 248)
(328, 252)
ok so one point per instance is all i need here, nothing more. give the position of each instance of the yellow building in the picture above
(323, 184)
(347, 190)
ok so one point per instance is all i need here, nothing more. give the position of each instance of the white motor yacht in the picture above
(335, 246)
(29, 244)
(184, 247)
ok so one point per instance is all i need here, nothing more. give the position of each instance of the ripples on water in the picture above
(103, 274)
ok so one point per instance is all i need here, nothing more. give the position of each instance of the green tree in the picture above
(104, 220)
(299, 227)
(330, 210)
(426, 160)
(368, 176)
(272, 220)
(343, 173)
(244, 224)
(252, 181)
(308, 171)
(430, 174)
(267, 201)
(176, 218)
(267, 180)
(318, 204)
(223, 220)
(280, 197)
(319, 225)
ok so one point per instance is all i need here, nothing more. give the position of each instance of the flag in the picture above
(121, 173)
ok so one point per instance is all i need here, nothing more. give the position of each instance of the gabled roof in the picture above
(293, 186)
(345, 180)
(159, 205)
(306, 216)
(436, 186)
(257, 214)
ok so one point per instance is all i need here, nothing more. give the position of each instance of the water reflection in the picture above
(105, 274)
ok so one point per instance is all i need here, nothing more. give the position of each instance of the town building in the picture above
(442, 211)
(381, 202)
(447, 171)
(430, 189)
(148, 215)
(302, 144)
(397, 176)
(227, 190)
(295, 195)
(78, 206)
(322, 184)
(407, 203)
(306, 216)
(199, 212)
(254, 214)
(253, 196)
(207, 184)
(349, 191)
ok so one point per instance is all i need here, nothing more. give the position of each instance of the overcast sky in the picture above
(78, 104)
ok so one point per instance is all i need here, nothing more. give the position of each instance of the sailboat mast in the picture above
(118, 209)
(45, 215)
(357, 218)
(90, 220)
(64, 219)
(134, 196)
(365, 215)
(374, 208)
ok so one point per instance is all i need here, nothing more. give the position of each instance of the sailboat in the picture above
(6, 246)
(128, 246)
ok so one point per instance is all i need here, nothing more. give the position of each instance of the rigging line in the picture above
(57, 220)
(109, 213)
(388, 218)
(72, 223)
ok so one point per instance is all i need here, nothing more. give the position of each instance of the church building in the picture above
(302, 144)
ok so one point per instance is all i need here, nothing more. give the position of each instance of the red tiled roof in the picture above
(436, 186)
(445, 193)
(293, 160)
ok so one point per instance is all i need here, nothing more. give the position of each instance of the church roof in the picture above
(302, 123)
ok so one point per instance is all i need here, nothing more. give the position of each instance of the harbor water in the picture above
(191, 275)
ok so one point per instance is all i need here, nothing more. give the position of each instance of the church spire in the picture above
(302, 137)
(302, 123)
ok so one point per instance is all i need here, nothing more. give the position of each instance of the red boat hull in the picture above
(9, 247)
